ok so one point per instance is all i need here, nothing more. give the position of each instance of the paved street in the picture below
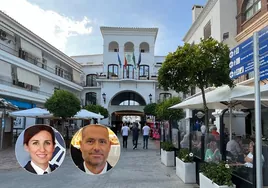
(136, 168)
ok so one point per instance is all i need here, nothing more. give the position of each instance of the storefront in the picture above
(21, 104)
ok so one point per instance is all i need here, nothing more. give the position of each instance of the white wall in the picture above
(111, 57)
(48, 86)
(228, 21)
(98, 58)
(214, 18)
(112, 90)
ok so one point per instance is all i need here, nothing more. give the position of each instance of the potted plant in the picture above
(185, 166)
(216, 175)
(102, 76)
(167, 153)
(114, 76)
(143, 77)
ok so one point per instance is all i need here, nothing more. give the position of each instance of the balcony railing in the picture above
(143, 77)
(36, 61)
(23, 86)
(91, 84)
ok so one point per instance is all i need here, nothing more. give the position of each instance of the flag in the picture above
(119, 60)
(125, 64)
(134, 61)
(139, 61)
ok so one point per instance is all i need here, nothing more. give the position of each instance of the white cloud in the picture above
(49, 25)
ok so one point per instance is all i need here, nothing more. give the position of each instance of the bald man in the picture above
(95, 146)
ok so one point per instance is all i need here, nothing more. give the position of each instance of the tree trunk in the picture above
(205, 108)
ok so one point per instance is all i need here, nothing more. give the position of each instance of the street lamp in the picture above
(104, 97)
(150, 97)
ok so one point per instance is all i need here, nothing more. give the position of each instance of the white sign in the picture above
(19, 123)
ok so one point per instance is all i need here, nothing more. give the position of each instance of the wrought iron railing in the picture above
(36, 61)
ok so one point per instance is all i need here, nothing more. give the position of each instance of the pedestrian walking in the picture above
(125, 131)
(146, 131)
(135, 135)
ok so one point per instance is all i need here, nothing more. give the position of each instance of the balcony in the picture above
(13, 88)
(92, 85)
(37, 62)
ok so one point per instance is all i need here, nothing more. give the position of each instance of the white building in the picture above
(31, 69)
(125, 89)
(212, 20)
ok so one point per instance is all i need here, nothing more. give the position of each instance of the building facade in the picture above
(31, 69)
(252, 16)
(211, 20)
(124, 78)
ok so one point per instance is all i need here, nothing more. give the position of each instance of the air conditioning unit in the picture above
(3, 35)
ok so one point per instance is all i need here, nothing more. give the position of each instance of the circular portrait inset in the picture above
(40, 149)
(95, 149)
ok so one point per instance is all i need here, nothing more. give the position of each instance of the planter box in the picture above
(167, 157)
(186, 171)
(204, 182)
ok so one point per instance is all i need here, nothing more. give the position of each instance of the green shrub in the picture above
(185, 155)
(220, 173)
(167, 146)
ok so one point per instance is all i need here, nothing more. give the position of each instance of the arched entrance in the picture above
(126, 106)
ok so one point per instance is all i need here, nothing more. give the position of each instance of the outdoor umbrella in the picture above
(85, 114)
(250, 94)
(221, 98)
(33, 112)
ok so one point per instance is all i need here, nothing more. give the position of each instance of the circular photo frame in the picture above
(95, 149)
(40, 149)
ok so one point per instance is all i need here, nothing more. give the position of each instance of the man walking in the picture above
(124, 131)
(135, 135)
(145, 130)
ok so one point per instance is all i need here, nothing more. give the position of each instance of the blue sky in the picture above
(73, 26)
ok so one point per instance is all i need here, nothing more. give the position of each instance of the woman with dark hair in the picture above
(39, 141)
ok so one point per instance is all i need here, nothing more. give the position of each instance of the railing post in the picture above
(203, 147)
(222, 137)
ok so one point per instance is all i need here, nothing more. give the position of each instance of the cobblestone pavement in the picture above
(8, 159)
(136, 169)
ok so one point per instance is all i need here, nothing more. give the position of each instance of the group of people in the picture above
(125, 131)
(235, 152)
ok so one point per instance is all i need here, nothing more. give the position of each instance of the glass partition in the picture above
(196, 143)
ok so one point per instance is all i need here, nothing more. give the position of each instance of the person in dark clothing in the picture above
(135, 135)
